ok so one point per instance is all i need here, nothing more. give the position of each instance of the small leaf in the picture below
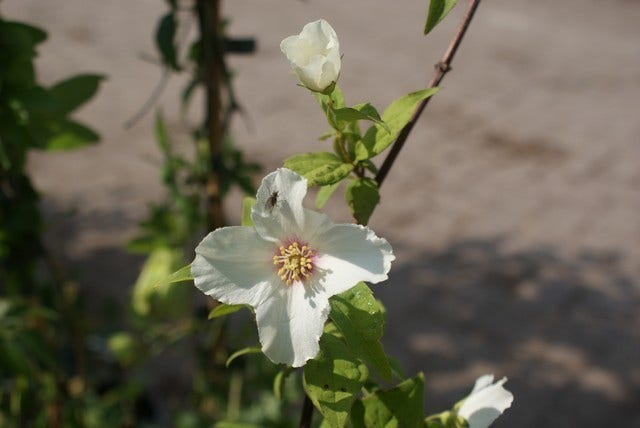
(325, 193)
(401, 406)
(360, 319)
(247, 203)
(165, 35)
(334, 378)
(396, 116)
(72, 93)
(223, 310)
(347, 115)
(181, 275)
(320, 169)
(362, 197)
(245, 351)
(67, 135)
(152, 293)
(438, 9)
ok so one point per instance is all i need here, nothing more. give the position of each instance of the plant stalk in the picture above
(209, 19)
(441, 69)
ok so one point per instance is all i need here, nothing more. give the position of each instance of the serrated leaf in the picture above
(362, 196)
(67, 135)
(396, 116)
(223, 310)
(360, 320)
(247, 203)
(165, 35)
(334, 378)
(401, 406)
(438, 9)
(320, 169)
(245, 351)
(325, 193)
(72, 93)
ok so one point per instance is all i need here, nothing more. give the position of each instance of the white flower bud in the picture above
(314, 55)
(486, 402)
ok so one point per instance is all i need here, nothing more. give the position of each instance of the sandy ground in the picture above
(513, 209)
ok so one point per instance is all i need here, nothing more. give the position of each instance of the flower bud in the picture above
(314, 55)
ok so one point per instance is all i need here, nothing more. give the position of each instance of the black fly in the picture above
(272, 200)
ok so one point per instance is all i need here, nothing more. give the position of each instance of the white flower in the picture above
(314, 55)
(287, 266)
(486, 402)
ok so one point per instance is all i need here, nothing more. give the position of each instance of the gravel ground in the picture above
(513, 209)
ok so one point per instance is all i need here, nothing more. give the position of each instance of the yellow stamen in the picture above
(295, 262)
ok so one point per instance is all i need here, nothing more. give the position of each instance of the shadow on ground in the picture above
(564, 330)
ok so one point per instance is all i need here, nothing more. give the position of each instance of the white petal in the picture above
(234, 265)
(483, 407)
(481, 383)
(319, 34)
(278, 210)
(290, 323)
(348, 254)
(310, 74)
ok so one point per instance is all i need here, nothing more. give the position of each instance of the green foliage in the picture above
(325, 193)
(165, 40)
(333, 379)
(222, 310)
(320, 168)
(360, 319)
(396, 116)
(76, 91)
(398, 407)
(247, 203)
(362, 197)
(438, 9)
(241, 352)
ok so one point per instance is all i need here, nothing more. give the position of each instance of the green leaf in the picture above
(223, 310)
(334, 378)
(165, 35)
(360, 319)
(320, 169)
(72, 93)
(401, 406)
(365, 111)
(325, 193)
(181, 275)
(125, 347)
(438, 9)
(247, 203)
(152, 290)
(396, 116)
(245, 351)
(67, 135)
(362, 197)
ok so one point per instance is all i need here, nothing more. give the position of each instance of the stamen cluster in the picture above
(294, 261)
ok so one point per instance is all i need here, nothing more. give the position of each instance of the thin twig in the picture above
(441, 68)
(307, 413)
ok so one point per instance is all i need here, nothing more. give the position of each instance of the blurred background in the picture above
(513, 209)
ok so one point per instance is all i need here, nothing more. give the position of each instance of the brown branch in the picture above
(441, 68)
(209, 18)
(307, 413)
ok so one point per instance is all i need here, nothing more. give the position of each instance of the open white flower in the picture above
(287, 266)
(314, 55)
(486, 402)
